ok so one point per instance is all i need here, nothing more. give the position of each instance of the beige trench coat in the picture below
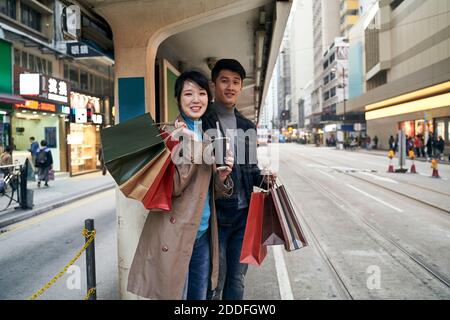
(162, 257)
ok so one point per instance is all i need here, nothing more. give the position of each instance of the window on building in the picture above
(332, 57)
(333, 92)
(8, 7)
(49, 67)
(326, 95)
(98, 85)
(73, 77)
(66, 72)
(31, 17)
(332, 75)
(326, 80)
(106, 86)
(325, 65)
(31, 64)
(24, 63)
(84, 80)
(17, 55)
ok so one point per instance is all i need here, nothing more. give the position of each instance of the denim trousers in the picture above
(231, 271)
(197, 279)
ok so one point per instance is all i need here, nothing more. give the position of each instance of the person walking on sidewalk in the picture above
(6, 160)
(440, 145)
(34, 148)
(44, 163)
(391, 143)
(227, 77)
(430, 145)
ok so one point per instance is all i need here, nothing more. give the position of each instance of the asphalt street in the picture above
(372, 234)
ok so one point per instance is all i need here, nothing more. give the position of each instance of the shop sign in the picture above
(330, 128)
(82, 101)
(36, 105)
(81, 50)
(35, 84)
(30, 84)
(80, 115)
(64, 110)
(97, 118)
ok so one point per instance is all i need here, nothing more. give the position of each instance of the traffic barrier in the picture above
(91, 292)
(391, 155)
(412, 156)
(434, 166)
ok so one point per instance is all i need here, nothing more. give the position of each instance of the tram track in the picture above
(363, 222)
(442, 210)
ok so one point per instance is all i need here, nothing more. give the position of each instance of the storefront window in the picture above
(448, 131)
(419, 126)
(408, 127)
(440, 129)
(84, 141)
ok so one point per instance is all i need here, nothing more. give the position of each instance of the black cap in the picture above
(227, 64)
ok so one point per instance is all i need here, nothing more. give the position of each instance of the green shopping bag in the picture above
(130, 146)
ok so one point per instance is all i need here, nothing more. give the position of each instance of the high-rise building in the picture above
(404, 69)
(349, 14)
(302, 56)
(326, 26)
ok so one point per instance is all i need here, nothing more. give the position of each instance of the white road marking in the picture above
(284, 284)
(315, 166)
(375, 198)
(327, 174)
(379, 178)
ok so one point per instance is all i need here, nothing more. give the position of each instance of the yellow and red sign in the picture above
(36, 105)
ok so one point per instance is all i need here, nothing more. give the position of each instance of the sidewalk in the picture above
(63, 190)
(384, 153)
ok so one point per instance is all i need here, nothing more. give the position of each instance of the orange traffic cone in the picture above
(434, 166)
(413, 166)
(391, 155)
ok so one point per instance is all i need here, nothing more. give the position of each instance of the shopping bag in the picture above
(130, 148)
(272, 234)
(51, 174)
(159, 195)
(293, 234)
(253, 252)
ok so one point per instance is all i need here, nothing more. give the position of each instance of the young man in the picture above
(34, 148)
(228, 76)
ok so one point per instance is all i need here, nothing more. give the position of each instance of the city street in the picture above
(372, 235)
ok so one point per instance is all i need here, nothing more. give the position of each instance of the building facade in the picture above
(405, 67)
(47, 70)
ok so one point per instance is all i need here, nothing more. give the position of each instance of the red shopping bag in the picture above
(159, 195)
(253, 252)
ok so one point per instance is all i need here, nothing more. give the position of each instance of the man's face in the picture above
(227, 88)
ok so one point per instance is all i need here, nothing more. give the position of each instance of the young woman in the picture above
(177, 254)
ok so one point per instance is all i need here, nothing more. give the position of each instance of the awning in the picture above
(11, 98)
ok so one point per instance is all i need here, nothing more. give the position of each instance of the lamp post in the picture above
(343, 88)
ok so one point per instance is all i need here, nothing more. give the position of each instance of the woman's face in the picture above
(193, 100)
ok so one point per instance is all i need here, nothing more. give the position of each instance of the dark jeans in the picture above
(197, 280)
(231, 271)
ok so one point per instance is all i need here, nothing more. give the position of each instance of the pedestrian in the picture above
(375, 142)
(417, 145)
(34, 148)
(177, 256)
(368, 141)
(44, 163)
(227, 77)
(6, 160)
(391, 143)
(440, 145)
(430, 145)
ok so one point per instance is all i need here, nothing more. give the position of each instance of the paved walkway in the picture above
(63, 190)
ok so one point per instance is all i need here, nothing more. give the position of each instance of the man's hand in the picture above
(223, 172)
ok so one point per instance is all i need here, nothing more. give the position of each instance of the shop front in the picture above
(41, 116)
(83, 137)
(42, 121)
